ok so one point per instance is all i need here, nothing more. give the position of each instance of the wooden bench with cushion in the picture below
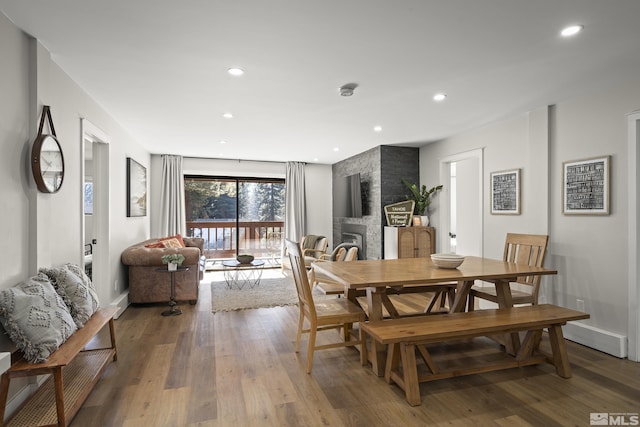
(57, 401)
(405, 336)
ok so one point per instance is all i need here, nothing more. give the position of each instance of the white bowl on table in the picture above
(447, 260)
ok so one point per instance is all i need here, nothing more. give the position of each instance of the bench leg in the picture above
(393, 357)
(57, 381)
(364, 355)
(559, 351)
(112, 334)
(4, 394)
(410, 374)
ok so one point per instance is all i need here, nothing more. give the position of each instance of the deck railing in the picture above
(262, 239)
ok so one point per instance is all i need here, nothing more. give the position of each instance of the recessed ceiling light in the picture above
(235, 71)
(223, 142)
(439, 97)
(227, 116)
(571, 30)
(377, 128)
(315, 159)
(336, 149)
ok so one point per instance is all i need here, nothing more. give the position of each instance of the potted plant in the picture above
(422, 198)
(173, 261)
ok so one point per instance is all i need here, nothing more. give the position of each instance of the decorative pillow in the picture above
(178, 237)
(76, 290)
(35, 318)
(172, 243)
(154, 245)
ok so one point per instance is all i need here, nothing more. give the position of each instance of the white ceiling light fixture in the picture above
(377, 128)
(234, 71)
(223, 142)
(571, 30)
(336, 149)
(227, 116)
(439, 97)
(347, 89)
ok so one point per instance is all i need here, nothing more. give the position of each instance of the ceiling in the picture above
(159, 67)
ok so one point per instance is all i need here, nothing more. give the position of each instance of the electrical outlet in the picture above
(580, 304)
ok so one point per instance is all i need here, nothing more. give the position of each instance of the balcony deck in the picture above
(222, 240)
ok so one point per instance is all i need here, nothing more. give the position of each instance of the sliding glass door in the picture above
(236, 215)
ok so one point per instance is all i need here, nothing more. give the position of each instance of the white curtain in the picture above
(172, 214)
(295, 224)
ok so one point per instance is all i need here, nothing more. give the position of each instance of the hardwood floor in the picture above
(239, 369)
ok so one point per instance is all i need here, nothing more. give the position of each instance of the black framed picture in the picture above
(505, 192)
(585, 187)
(136, 189)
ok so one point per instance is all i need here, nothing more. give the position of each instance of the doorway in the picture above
(462, 220)
(95, 208)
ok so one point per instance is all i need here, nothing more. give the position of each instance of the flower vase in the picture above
(172, 266)
(424, 220)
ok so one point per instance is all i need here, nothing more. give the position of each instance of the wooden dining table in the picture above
(377, 276)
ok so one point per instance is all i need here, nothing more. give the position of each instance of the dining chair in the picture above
(527, 249)
(321, 315)
(327, 285)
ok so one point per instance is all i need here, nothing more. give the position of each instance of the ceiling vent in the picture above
(347, 90)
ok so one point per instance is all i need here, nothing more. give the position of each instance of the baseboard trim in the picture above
(596, 338)
(122, 302)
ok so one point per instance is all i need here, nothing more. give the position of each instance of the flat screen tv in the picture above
(349, 197)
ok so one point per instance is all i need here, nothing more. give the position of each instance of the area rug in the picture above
(269, 293)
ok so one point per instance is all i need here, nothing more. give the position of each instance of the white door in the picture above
(468, 208)
(462, 204)
(95, 227)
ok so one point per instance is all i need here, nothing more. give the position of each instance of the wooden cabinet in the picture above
(409, 242)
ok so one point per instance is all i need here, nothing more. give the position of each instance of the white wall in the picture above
(317, 178)
(44, 230)
(587, 251)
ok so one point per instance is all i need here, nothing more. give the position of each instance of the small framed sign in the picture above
(505, 192)
(399, 214)
(585, 187)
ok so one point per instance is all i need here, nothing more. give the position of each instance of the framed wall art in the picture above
(136, 188)
(585, 186)
(505, 192)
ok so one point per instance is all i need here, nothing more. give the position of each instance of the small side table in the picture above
(243, 274)
(173, 311)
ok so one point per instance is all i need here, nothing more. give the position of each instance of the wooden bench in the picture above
(405, 336)
(57, 401)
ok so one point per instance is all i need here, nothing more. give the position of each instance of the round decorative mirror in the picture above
(47, 163)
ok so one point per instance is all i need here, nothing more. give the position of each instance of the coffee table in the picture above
(238, 274)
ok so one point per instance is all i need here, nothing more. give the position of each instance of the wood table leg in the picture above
(503, 292)
(377, 354)
(462, 292)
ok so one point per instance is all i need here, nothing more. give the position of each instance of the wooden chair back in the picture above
(351, 255)
(301, 279)
(527, 249)
(341, 254)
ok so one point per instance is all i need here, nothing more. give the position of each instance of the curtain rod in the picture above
(237, 160)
